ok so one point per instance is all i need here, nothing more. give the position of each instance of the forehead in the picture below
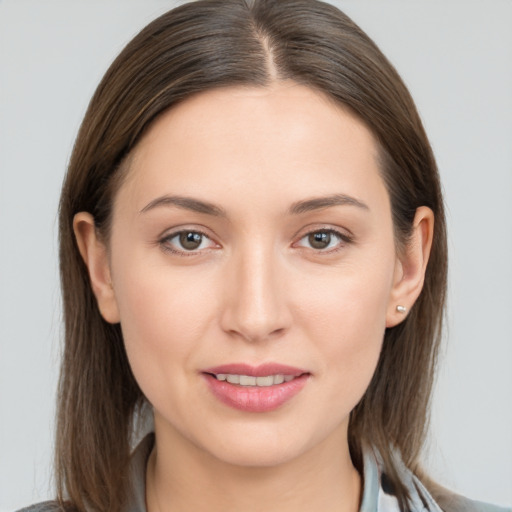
(252, 140)
(283, 108)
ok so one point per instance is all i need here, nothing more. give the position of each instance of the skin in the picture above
(255, 291)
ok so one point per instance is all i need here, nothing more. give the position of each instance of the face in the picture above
(253, 236)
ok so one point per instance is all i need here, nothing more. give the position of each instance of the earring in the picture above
(401, 309)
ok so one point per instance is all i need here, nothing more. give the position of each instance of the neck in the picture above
(181, 476)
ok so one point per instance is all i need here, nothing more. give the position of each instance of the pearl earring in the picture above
(401, 309)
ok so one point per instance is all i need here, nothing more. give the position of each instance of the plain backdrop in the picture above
(456, 57)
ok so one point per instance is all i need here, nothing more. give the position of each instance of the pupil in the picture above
(190, 240)
(320, 240)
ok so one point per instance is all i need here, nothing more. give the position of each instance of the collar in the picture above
(376, 497)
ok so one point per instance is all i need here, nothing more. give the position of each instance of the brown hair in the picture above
(195, 47)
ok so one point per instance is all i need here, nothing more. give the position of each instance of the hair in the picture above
(197, 47)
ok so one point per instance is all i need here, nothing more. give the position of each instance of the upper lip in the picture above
(262, 370)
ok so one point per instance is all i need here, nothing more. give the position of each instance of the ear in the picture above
(95, 255)
(410, 267)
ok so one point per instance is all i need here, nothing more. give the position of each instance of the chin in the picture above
(259, 455)
(271, 445)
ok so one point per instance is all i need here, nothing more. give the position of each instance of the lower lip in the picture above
(255, 398)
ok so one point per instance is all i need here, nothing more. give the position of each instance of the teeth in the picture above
(265, 381)
(233, 379)
(247, 380)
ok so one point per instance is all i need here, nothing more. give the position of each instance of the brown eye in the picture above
(319, 239)
(187, 243)
(324, 241)
(190, 240)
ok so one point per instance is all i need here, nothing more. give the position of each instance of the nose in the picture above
(254, 305)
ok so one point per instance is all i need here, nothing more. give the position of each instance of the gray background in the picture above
(456, 57)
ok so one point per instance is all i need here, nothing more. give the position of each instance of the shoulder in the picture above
(137, 499)
(47, 506)
(424, 494)
(451, 502)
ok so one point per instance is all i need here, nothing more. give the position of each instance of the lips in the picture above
(255, 388)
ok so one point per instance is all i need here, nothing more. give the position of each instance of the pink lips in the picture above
(255, 398)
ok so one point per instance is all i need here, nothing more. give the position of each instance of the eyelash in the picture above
(165, 242)
(343, 239)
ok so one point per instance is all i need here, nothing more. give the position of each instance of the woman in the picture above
(253, 243)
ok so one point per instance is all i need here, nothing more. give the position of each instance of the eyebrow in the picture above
(308, 205)
(319, 203)
(186, 203)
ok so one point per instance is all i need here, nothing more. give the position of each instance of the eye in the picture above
(323, 240)
(187, 241)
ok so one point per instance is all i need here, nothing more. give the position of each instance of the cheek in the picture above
(164, 318)
(347, 317)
